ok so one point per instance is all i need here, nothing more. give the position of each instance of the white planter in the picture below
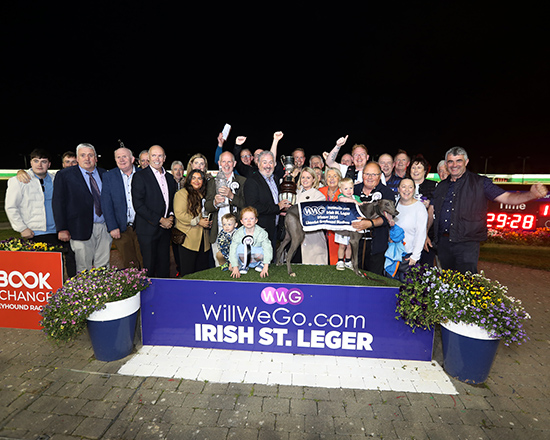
(117, 309)
(468, 330)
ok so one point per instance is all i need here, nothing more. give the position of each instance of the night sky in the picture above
(422, 78)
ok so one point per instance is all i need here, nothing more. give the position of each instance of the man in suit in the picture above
(227, 199)
(261, 192)
(116, 200)
(78, 212)
(153, 192)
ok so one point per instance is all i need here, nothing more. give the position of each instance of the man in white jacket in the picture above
(29, 205)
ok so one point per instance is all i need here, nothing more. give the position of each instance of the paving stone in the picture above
(204, 417)
(260, 420)
(180, 432)
(249, 402)
(150, 413)
(64, 424)
(409, 430)
(153, 431)
(504, 419)
(243, 434)
(92, 427)
(70, 405)
(303, 406)
(331, 408)
(45, 403)
(232, 419)
(276, 405)
(289, 422)
(445, 415)
(346, 425)
(320, 424)
(117, 394)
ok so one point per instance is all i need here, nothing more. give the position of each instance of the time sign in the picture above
(535, 214)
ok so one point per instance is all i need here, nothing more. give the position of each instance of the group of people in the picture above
(236, 218)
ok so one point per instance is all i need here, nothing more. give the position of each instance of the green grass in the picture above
(304, 275)
(8, 233)
(534, 257)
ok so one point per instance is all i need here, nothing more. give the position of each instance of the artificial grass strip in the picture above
(305, 274)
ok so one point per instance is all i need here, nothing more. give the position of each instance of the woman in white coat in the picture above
(314, 249)
(413, 218)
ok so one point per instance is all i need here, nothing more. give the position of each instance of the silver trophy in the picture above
(221, 181)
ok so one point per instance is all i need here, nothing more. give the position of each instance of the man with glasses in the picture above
(29, 205)
(374, 242)
(360, 157)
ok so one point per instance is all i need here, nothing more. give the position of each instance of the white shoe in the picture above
(349, 265)
(340, 265)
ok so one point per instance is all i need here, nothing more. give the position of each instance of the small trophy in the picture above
(287, 188)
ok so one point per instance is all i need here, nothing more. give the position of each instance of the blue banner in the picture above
(334, 216)
(293, 318)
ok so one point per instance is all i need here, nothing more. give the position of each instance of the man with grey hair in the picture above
(442, 170)
(224, 199)
(78, 212)
(143, 159)
(459, 204)
(316, 161)
(177, 172)
(261, 192)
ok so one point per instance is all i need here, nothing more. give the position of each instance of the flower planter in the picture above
(468, 351)
(112, 329)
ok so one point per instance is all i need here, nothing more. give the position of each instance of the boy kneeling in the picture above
(250, 246)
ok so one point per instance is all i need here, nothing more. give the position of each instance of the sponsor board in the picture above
(302, 318)
(26, 281)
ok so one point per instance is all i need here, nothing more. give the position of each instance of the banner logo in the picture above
(282, 296)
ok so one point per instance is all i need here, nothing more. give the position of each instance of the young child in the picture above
(344, 249)
(229, 223)
(250, 246)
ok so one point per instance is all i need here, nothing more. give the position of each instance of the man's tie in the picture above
(96, 195)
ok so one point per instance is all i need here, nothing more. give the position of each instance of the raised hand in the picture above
(240, 140)
(340, 142)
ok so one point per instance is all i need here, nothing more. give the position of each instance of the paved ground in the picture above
(49, 392)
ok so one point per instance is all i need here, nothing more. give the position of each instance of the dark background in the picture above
(419, 76)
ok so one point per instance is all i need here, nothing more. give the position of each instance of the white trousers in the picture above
(94, 252)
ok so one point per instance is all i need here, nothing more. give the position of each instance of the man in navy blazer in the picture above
(78, 213)
(116, 200)
(153, 191)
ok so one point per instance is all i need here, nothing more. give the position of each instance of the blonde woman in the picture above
(314, 248)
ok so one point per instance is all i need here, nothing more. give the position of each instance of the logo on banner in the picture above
(282, 296)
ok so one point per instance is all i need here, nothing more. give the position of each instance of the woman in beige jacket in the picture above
(188, 209)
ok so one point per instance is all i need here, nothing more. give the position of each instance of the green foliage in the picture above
(64, 316)
(430, 295)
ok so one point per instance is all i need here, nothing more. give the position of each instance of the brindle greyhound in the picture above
(295, 233)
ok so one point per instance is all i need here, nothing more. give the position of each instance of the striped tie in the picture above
(96, 195)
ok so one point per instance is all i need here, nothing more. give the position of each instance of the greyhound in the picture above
(295, 233)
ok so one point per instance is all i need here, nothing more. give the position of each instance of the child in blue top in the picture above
(250, 246)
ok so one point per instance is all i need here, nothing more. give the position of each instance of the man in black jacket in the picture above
(261, 191)
(459, 204)
(153, 192)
